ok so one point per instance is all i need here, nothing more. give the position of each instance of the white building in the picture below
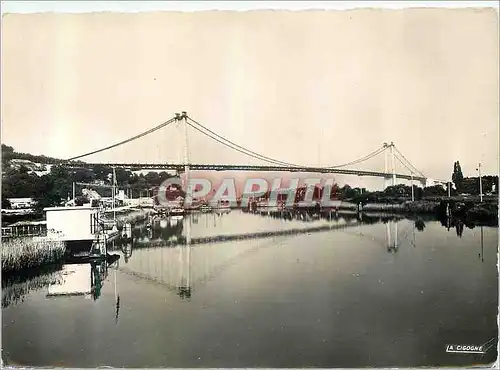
(72, 223)
(432, 182)
(21, 203)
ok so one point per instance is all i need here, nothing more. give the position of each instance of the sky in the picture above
(316, 88)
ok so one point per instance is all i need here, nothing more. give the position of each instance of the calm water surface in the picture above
(361, 294)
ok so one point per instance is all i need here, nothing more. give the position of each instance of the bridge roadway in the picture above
(243, 167)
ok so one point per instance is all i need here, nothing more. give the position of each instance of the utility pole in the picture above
(482, 245)
(113, 195)
(395, 235)
(449, 189)
(480, 184)
(414, 241)
(388, 230)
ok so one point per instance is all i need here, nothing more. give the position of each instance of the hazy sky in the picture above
(312, 87)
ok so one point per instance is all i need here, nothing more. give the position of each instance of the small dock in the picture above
(25, 229)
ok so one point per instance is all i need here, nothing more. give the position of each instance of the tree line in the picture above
(470, 185)
(53, 188)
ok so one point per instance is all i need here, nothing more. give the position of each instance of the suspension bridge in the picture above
(389, 173)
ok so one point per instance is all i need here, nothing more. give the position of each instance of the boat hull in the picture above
(78, 247)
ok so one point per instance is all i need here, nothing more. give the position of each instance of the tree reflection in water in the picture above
(420, 225)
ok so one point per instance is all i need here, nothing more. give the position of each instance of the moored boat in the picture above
(176, 212)
(205, 208)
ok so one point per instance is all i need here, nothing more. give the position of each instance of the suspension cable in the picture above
(164, 124)
(412, 168)
(409, 163)
(268, 159)
(234, 147)
(368, 156)
(401, 161)
(253, 154)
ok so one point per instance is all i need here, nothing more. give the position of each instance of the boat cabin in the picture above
(72, 223)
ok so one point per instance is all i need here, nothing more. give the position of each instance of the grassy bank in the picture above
(26, 253)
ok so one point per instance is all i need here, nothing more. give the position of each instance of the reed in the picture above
(25, 253)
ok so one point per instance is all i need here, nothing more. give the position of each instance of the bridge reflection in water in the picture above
(183, 253)
(164, 254)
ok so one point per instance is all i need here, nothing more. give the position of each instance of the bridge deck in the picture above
(241, 167)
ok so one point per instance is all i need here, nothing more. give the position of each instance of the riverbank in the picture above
(421, 206)
(473, 212)
(27, 253)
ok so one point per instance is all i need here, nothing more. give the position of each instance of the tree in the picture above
(457, 177)
(420, 224)
(436, 190)
(152, 179)
(399, 190)
(164, 176)
(17, 184)
(5, 203)
(123, 176)
(7, 153)
(51, 189)
(83, 175)
(101, 172)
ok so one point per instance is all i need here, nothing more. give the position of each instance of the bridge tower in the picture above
(392, 237)
(393, 164)
(392, 173)
(185, 281)
(386, 169)
(385, 165)
(183, 116)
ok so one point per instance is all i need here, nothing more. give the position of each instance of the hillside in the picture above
(43, 178)
(9, 154)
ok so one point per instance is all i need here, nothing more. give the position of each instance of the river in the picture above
(348, 293)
